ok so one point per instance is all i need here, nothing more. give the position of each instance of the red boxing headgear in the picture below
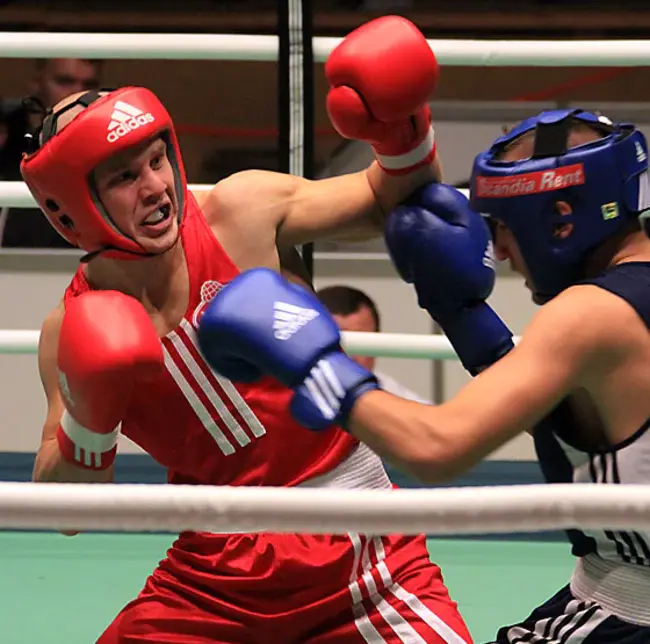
(59, 172)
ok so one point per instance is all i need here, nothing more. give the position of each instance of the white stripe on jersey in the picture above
(222, 396)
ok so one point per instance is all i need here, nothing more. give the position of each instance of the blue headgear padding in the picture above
(604, 181)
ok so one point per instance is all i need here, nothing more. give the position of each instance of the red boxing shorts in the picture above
(292, 589)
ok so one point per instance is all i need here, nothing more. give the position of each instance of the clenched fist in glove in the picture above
(442, 247)
(107, 344)
(261, 324)
(381, 78)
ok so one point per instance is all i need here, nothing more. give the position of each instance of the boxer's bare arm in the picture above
(302, 210)
(439, 443)
(49, 465)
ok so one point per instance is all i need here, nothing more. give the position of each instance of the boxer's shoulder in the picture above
(52, 322)
(250, 196)
(599, 324)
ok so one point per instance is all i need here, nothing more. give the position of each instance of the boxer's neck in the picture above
(152, 280)
(631, 245)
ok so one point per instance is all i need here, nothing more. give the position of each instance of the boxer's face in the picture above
(136, 188)
(507, 249)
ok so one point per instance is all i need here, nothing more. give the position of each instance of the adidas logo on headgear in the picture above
(124, 119)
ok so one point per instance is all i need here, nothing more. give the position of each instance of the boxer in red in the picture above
(120, 354)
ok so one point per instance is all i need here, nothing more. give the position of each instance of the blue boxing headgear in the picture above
(605, 182)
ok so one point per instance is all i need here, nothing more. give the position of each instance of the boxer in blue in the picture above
(565, 194)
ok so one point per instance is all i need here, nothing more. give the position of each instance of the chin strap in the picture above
(90, 256)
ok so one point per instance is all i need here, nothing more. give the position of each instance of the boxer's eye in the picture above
(121, 177)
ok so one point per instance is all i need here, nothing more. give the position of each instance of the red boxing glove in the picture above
(381, 78)
(107, 344)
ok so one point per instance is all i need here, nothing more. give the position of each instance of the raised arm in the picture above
(381, 78)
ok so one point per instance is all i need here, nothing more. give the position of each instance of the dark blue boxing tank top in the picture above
(565, 457)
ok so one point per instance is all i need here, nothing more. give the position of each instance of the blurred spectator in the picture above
(54, 79)
(354, 310)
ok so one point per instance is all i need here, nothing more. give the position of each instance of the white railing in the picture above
(170, 46)
(387, 345)
(443, 511)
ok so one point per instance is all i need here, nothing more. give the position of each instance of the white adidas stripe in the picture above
(129, 109)
(620, 546)
(319, 400)
(197, 406)
(389, 613)
(242, 407)
(579, 635)
(198, 370)
(289, 318)
(291, 309)
(567, 632)
(644, 192)
(202, 380)
(325, 389)
(562, 629)
(230, 390)
(331, 378)
(361, 619)
(88, 445)
(400, 626)
(122, 112)
(320, 380)
(413, 601)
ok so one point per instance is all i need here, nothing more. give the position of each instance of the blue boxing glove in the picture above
(260, 324)
(442, 247)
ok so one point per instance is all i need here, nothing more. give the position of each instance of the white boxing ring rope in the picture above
(447, 511)
(386, 345)
(536, 53)
(14, 194)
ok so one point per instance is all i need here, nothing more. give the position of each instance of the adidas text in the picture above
(127, 126)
